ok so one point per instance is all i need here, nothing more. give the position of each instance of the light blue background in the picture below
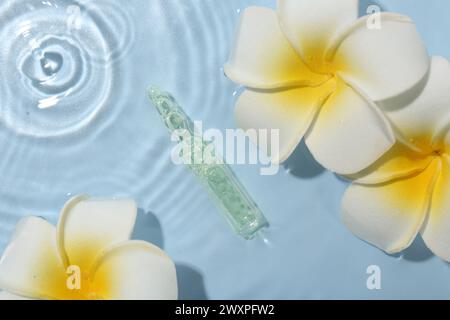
(307, 253)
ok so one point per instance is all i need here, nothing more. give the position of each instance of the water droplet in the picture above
(51, 63)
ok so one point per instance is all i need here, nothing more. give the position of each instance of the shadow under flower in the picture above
(417, 251)
(302, 164)
(148, 229)
(190, 283)
(190, 280)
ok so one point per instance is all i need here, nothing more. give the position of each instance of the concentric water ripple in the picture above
(59, 62)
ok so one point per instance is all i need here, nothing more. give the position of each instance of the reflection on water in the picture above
(60, 60)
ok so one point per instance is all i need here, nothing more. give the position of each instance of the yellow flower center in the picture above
(439, 153)
(75, 281)
(324, 62)
(320, 65)
(408, 190)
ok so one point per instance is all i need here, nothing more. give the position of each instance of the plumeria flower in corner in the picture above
(88, 256)
(407, 191)
(314, 70)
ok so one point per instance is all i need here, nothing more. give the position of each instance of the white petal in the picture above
(311, 26)
(349, 134)
(399, 162)
(136, 270)
(263, 58)
(383, 62)
(289, 111)
(389, 215)
(30, 265)
(436, 230)
(8, 296)
(87, 227)
(421, 120)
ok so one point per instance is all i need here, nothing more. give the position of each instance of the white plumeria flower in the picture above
(408, 190)
(313, 69)
(87, 256)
